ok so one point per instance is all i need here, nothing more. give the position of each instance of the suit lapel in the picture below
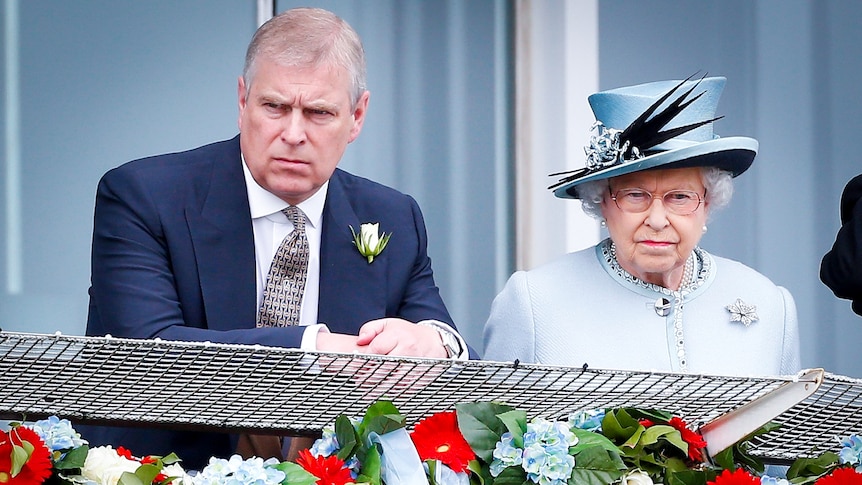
(352, 291)
(223, 242)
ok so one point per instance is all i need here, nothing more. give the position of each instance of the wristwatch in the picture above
(450, 342)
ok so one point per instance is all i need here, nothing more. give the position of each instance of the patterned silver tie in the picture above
(285, 283)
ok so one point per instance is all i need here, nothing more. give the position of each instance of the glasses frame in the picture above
(667, 207)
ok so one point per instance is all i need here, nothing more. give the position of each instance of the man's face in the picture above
(294, 126)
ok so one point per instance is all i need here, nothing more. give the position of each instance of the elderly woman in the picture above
(648, 297)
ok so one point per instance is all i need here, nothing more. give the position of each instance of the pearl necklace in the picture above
(695, 272)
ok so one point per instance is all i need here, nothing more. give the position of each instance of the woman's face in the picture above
(654, 244)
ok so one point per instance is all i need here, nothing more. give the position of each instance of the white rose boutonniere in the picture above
(370, 241)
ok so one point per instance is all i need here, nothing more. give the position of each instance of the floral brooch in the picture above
(742, 312)
(370, 241)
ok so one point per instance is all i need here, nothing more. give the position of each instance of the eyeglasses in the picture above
(679, 202)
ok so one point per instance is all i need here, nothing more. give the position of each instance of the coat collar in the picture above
(352, 291)
(223, 241)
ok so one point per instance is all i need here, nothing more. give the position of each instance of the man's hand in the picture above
(338, 342)
(397, 337)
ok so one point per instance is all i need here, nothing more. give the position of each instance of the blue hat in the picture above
(665, 124)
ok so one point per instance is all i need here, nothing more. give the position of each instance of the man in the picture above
(841, 267)
(183, 243)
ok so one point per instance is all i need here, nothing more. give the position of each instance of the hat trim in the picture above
(700, 155)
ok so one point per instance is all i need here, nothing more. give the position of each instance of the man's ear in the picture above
(241, 100)
(359, 115)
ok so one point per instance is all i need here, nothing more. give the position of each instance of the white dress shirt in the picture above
(270, 227)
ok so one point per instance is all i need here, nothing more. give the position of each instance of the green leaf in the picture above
(295, 474)
(480, 474)
(171, 459)
(596, 466)
(689, 477)
(657, 416)
(381, 417)
(371, 467)
(383, 242)
(621, 428)
(347, 436)
(129, 478)
(724, 459)
(481, 427)
(818, 466)
(590, 439)
(384, 423)
(19, 458)
(74, 458)
(147, 473)
(516, 422)
(513, 475)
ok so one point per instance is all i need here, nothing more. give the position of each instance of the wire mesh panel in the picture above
(219, 387)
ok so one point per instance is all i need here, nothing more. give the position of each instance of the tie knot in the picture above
(296, 216)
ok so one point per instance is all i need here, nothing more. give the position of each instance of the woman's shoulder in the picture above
(581, 260)
(729, 272)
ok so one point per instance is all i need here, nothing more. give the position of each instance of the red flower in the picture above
(437, 437)
(841, 476)
(695, 441)
(739, 477)
(125, 453)
(329, 470)
(36, 469)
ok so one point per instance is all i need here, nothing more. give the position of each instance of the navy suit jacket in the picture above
(841, 267)
(173, 257)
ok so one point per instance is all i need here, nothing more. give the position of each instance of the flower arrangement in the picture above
(51, 451)
(488, 443)
(482, 443)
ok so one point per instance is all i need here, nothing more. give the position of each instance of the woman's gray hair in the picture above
(309, 37)
(718, 184)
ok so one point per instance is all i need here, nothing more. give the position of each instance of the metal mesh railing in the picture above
(233, 388)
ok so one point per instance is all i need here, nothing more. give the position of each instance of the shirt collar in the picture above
(263, 203)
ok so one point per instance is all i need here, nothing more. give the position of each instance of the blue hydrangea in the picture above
(545, 456)
(505, 455)
(553, 435)
(236, 471)
(58, 434)
(767, 480)
(851, 452)
(587, 419)
(327, 445)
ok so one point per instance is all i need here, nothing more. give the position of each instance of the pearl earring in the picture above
(705, 228)
(603, 223)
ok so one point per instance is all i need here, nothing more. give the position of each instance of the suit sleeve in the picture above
(421, 297)
(138, 265)
(841, 267)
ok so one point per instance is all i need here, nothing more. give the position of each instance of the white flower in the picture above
(105, 467)
(636, 477)
(370, 241)
(175, 470)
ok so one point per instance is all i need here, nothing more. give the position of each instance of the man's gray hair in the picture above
(309, 37)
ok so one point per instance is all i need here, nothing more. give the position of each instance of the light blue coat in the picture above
(577, 310)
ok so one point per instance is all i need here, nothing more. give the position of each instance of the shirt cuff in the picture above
(443, 327)
(309, 337)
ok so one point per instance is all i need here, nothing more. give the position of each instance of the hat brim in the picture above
(733, 154)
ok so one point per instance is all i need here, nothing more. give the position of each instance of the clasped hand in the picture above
(386, 336)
